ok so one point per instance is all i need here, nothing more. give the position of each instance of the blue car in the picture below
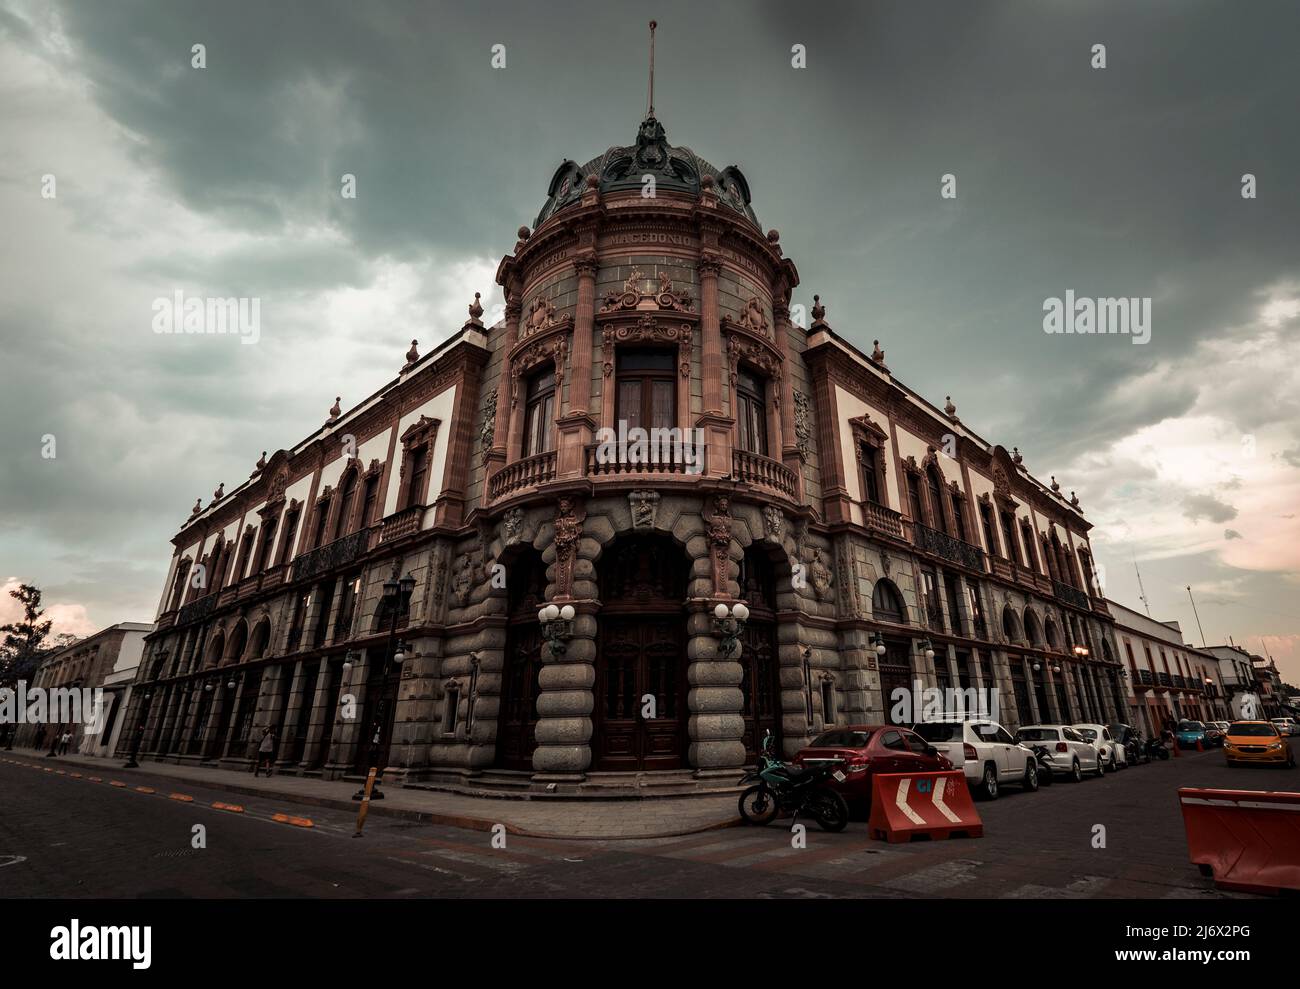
(1189, 733)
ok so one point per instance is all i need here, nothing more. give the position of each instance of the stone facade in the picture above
(876, 539)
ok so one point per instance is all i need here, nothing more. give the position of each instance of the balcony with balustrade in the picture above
(880, 519)
(765, 473)
(947, 547)
(523, 474)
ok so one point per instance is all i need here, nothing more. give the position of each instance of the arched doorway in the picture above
(641, 656)
(517, 720)
(760, 683)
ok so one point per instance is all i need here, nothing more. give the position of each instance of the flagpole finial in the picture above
(650, 112)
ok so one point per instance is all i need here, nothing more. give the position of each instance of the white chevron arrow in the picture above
(901, 800)
(939, 787)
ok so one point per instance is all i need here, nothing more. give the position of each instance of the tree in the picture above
(24, 641)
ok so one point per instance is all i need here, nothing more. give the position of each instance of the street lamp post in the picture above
(397, 594)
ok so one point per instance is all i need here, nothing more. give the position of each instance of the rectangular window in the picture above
(368, 502)
(1012, 551)
(932, 607)
(828, 703)
(267, 551)
(959, 518)
(954, 613)
(646, 393)
(290, 533)
(986, 520)
(871, 474)
(976, 612)
(914, 499)
(539, 414)
(751, 412)
(451, 710)
(417, 465)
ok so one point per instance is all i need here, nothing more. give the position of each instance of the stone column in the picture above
(210, 729)
(709, 266)
(319, 705)
(296, 701)
(413, 718)
(347, 733)
(509, 428)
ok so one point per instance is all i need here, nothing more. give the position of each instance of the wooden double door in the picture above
(640, 705)
(517, 722)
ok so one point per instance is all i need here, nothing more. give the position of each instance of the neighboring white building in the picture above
(1167, 679)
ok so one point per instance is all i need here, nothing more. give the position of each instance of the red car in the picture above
(861, 751)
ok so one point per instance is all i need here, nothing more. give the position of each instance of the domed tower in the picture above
(645, 375)
(645, 253)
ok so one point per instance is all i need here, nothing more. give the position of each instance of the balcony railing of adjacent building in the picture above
(525, 473)
(598, 467)
(323, 559)
(948, 547)
(1164, 680)
(882, 519)
(1071, 595)
(754, 468)
(1145, 678)
(1179, 681)
(400, 524)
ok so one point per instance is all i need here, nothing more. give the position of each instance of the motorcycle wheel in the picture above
(758, 805)
(829, 809)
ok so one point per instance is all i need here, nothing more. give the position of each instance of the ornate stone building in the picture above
(861, 526)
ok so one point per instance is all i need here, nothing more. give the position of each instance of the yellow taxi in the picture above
(1256, 741)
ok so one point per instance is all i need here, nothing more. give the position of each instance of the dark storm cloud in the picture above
(1122, 181)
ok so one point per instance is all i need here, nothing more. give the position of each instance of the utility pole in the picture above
(1198, 617)
(1142, 591)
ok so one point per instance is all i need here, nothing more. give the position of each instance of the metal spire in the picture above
(651, 111)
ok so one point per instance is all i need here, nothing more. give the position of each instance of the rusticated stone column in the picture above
(715, 701)
(584, 315)
(564, 706)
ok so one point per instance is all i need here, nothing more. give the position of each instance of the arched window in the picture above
(260, 639)
(935, 487)
(347, 498)
(887, 603)
(1053, 635)
(1011, 624)
(1033, 628)
(1027, 537)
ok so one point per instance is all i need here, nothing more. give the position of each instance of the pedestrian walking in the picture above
(64, 741)
(265, 751)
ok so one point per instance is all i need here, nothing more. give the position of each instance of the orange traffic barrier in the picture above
(95, 779)
(1199, 746)
(233, 808)
(75, 776)
(301, 822)
(932, 805)
(1248, 840)
(182, 796)
(145, 789)
(116, 783)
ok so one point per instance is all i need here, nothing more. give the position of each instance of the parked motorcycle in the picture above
(779, 787)
(1044, 765)
(1156, 749)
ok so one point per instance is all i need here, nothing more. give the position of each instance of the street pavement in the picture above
(64, 836)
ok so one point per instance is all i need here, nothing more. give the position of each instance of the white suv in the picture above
(987, 753)
(1069, 752)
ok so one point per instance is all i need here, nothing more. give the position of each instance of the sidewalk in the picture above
(661, 817)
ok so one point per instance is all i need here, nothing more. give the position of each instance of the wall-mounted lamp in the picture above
(878, 643)
(557, 626)
(927, 648)
(728, 624)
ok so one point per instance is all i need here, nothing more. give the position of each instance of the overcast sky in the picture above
(225, 181)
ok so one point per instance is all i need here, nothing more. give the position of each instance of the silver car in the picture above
(1068, 752)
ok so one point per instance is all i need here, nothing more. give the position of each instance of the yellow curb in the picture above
(145, 789)
(301, 822)
(116, 783)
(233, 808)
(182, 796)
